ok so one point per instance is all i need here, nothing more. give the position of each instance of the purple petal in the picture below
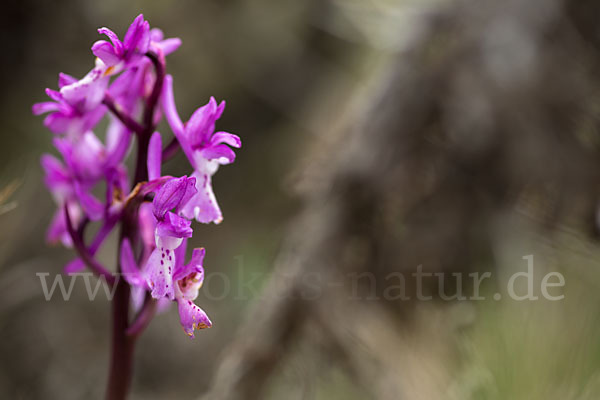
(180, 256)
(92, 118)
(220, 152)
(57, 178)
(227, 138)
(138, 35)
(118, 140)
(180, 252)
(65, 79)
(54, 95)
(113, 38)
(74, 267)
(52, 166)
(168, 46)
(173, 195)
(57, 231)
(201, 123)
(144, 42)
(174, 226)
(154, 186)
(123, 83)
(129, 267)
(147, 224)
(154, 156)
(189, 192)
(65, 148)
(106, 52)
(197, 257)
(156, 34)
(192, 317)
(220, 109)
(44, 107)
(92, 207)
(59, 123)
(138, 295)
(170, 110)
(194, 266)
(84, 157)
(88, 92)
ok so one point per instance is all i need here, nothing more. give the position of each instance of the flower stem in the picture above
(121, 367)
(159, 68)
(121, 362)
(123, 344)
(129, 122)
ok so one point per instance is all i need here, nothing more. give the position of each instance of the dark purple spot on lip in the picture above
(162, 262)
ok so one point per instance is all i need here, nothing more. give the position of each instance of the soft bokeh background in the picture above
(286, 69)
(266, 59)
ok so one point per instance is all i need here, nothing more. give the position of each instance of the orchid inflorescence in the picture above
(129, 85)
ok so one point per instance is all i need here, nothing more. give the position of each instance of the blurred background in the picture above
(377, 136)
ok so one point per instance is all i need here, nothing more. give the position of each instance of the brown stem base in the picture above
(121, 363)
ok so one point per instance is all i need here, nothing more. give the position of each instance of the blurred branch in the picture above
(5, 194)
